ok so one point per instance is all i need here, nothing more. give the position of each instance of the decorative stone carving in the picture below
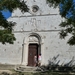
(33, 39)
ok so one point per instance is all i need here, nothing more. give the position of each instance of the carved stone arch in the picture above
(28, 44)
(34, 47)
(37, 36)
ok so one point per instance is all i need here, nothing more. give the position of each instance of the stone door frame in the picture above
(26, 44)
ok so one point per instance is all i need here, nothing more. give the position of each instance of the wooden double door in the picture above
(33, 49)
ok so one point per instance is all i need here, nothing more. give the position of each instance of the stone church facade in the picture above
(37, 32)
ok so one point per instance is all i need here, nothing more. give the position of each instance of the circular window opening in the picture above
(35, 8)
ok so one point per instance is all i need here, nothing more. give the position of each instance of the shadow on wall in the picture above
(60, 62)
(53, 61)
(53, 65)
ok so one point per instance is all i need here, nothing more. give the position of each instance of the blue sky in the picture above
(6, 13)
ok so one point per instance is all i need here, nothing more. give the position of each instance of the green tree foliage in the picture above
(67, 11)
(6, 35)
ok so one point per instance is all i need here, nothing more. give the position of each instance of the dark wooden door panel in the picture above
(31, 53)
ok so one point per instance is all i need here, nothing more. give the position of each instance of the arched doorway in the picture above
(34, 47)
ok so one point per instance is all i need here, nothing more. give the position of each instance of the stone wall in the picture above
(44, 23)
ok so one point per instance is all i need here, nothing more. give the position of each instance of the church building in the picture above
(37, 32)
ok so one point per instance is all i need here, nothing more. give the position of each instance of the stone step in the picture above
(20, 68)
(27, 69)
